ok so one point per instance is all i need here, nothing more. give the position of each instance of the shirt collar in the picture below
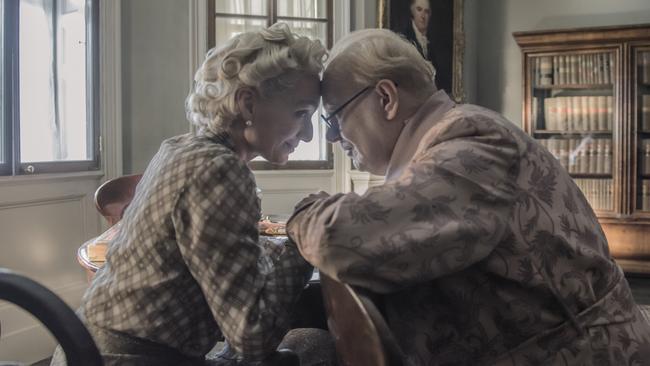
(415, 129)
(222, 138)
(421, 38)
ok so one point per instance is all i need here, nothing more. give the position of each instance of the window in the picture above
(311, 18)
(49, 56)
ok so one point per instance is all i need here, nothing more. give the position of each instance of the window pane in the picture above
(226, 28)
(302, 8)
(313, 30)
(53, 119)
(249, 7)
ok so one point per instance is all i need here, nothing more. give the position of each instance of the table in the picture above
(89, 266)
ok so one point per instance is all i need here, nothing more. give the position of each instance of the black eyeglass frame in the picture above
(327, 120)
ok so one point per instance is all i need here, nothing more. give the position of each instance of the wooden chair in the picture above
(361, 334)
(112, 197)
(60, 320)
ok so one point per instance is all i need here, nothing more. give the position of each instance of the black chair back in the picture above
(60, 320)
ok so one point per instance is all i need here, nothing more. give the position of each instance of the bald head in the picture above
(364, 57)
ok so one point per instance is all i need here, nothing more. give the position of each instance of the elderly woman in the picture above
(187, 267)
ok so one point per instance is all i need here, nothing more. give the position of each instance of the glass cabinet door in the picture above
(573, 116)
(642, 118)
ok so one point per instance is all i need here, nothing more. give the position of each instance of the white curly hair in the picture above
(266, 60)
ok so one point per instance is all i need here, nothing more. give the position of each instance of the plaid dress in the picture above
(187, 267)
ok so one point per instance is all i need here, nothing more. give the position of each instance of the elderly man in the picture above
(484, 250)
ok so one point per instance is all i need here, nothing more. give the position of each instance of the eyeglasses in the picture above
(328, 120)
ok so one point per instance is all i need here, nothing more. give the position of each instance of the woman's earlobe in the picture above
(244, 98)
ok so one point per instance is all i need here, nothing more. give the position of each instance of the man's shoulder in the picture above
(466, 121)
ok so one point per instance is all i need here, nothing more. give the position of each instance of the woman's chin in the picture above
(279, 160)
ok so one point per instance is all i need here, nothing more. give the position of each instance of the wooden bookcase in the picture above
(586, 97)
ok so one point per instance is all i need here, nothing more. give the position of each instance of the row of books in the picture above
(598, 192)
(645, 195)
(645, 112)
(581, 156)
(592, 68)
(644, 160)
(583, 113)
(644, 65)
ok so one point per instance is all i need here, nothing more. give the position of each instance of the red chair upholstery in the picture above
(112, 197)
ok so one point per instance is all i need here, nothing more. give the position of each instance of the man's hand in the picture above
(307, 201)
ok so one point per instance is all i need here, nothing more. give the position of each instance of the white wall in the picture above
(498, 56)
(155, 82)
(45, 218)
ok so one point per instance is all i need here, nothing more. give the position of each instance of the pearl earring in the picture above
(248, 123)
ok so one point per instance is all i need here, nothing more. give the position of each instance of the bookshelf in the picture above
(587, 100)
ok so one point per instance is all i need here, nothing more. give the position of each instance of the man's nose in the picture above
(333, 135)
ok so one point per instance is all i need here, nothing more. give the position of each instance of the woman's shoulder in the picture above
(192, 153)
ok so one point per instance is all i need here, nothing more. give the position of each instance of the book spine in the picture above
(573, 161)
(556, 70)
(610, 195)
(601, 112)
(645, 113)
(612, 68)
(592, 158)
(610, 112)
(600, 157)
(583, 158)
(646, 157)
(574, 69)
(589, 71)
(548, 113)
(606, 69)
(593, 115)
(600, 68)
(579, 69)
(545, 65)
(570, 114)
(533, 113)
(594, 68)
(585, 113)
(562, 113)
(607, 165)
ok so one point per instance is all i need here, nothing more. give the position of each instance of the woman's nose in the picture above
(306, 132)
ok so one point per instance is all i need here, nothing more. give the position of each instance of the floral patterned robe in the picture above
(484, 249)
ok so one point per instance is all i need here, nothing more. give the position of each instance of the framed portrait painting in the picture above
(435, 28)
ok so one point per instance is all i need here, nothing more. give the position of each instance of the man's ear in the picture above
(387, 91)
(245, 99)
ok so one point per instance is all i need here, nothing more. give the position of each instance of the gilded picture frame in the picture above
(444, 38)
